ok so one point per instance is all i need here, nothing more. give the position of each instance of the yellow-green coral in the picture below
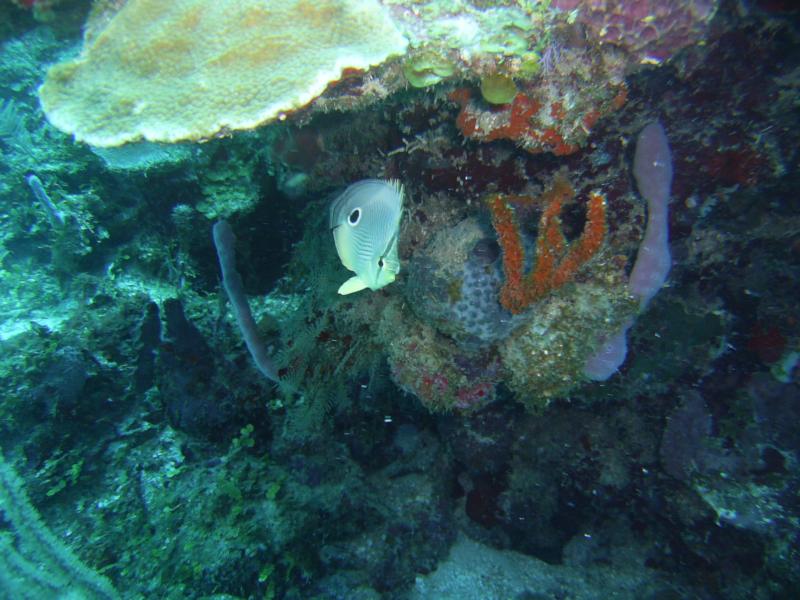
(531, 64)
(497, 88)
(427, 69)
(191, 69)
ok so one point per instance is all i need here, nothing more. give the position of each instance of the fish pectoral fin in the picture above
(352, 285)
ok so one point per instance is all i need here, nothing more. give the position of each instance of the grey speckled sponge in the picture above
(454, 283)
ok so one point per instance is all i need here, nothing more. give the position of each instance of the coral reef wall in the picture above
(443, 427)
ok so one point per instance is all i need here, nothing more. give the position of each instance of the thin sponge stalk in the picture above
(224, 242)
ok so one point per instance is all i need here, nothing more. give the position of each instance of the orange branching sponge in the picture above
(585, 247)
(505, 224)
(557, 262)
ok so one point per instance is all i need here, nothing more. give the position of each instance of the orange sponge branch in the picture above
(505, 224)
(556, 261)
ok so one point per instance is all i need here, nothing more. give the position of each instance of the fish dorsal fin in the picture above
(352, 285)
(397, 188)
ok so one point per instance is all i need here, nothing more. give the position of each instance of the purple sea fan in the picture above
(688, 446)
(686, 433)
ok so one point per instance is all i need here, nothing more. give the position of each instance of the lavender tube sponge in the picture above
(652, 168)
(611, 355)
(224, 242)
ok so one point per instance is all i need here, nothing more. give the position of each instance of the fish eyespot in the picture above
(355, 216)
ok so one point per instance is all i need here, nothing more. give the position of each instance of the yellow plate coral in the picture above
(190, 69)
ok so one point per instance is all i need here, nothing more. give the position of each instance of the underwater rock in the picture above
(539, 118)
(469, 573)
(64, 381)
(185, 370)
(149, 338)
(545, 356)
(430, 365)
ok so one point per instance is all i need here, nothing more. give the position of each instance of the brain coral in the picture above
(190, 69)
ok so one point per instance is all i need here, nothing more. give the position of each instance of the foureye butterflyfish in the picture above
(365, 220)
